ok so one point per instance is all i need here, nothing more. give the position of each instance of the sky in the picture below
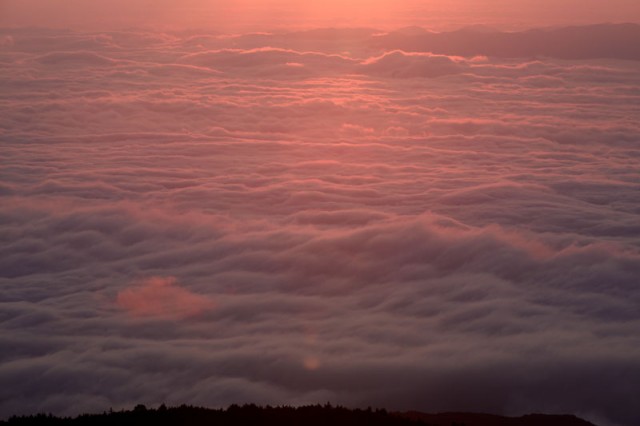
(376, 216)
(261, 15)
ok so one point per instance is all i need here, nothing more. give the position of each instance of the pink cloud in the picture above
(161, 297)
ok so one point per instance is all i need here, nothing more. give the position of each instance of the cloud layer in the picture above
(278, 219)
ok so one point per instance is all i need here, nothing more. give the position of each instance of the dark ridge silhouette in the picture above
(310, 415)
(602, 41)
(475, 419)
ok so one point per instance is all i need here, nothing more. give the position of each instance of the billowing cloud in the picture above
(275, 218)
(406, 65)
(578, 42)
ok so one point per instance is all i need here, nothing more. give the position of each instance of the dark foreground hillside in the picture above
(315, 415)
(474, 419)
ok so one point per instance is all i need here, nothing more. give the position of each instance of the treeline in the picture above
(235, 415)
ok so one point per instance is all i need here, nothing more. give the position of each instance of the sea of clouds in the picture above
(308, 217)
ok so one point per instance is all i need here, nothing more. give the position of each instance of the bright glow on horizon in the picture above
(253, 15)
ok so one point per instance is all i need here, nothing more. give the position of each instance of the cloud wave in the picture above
(278, 218)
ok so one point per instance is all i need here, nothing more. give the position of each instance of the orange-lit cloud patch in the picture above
(311, 363)
(162, 297)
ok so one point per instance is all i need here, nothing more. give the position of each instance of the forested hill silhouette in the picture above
(312, 415)
(475, 419)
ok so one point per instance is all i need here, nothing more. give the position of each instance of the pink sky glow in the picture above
(255, 15)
